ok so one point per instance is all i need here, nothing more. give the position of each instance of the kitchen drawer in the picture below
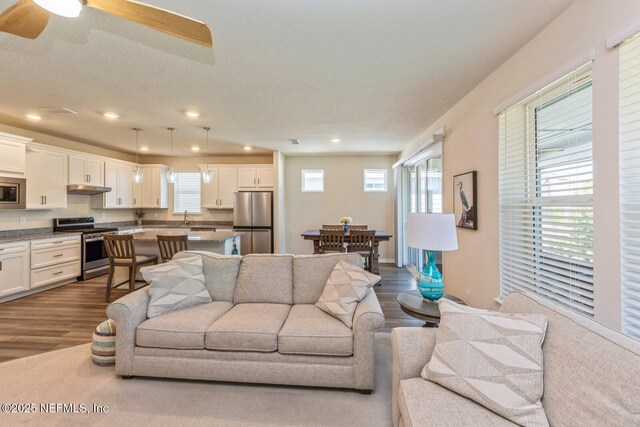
(57, 273)
(13, 248)
(53, 256)
(55, 242)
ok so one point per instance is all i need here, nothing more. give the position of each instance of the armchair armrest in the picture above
(367, 319)
(128, 312)
(411, 349)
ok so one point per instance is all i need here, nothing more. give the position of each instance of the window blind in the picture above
(546, 194)
(186, 193)
(630, 184)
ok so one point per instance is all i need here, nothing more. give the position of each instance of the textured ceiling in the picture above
(373, 73)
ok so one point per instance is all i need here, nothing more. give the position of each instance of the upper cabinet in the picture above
(152, 191)
(255, 178)
(219, 193)
(119, 178)
(46, 179)
(86, 170)
(13, 158)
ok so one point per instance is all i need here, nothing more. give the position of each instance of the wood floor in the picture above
(67, 316)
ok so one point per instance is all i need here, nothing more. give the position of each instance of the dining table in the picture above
(380, 236)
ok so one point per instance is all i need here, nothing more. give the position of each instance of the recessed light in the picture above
(195, 148)
(111, 116)
(144, 148)
(33, 117)
(248, 148)
(192, 114)
(335, 140)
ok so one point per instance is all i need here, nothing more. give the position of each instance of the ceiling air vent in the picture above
(56, 110)
(294, 141)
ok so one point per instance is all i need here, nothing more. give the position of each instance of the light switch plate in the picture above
(23, 219)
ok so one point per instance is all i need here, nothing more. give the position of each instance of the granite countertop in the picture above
(26, 237)
(193, 236)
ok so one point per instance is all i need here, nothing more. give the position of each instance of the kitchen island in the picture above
(221, 242)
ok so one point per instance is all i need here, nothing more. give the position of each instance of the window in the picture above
(375, 180)
(546, 194)
(630, 184)
(186, 193)
(313, 180)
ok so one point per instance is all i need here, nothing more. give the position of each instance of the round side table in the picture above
(412, 303)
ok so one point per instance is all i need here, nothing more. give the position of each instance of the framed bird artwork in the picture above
(465, 202)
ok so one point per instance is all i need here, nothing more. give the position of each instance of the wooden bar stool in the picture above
(331, 241)
(122, 253)
(171, 245)
(361, 242)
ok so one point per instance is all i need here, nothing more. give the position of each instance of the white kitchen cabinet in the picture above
(55, 260)
(152, 191)
(46, 173)
(119, 178)
(86, 170)
(209, 193)
(14, 268)
(255, 177)
(219, 193)
(13, 154)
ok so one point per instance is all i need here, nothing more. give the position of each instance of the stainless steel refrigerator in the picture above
(253, 216)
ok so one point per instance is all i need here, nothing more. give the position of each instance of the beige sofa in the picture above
(262, 327)
(591, 375)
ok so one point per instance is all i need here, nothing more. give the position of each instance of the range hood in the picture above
(87, 190)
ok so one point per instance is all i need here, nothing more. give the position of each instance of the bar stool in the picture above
(122, 253)
(171, 245)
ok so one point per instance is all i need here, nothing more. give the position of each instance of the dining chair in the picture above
(358, 227)
(331, 241)
(171, 245)
(333, 227)
(361, 242)
(122, 253)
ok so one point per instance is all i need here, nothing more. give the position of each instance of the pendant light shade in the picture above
(171, 173)
(138, 176)
(207, 175)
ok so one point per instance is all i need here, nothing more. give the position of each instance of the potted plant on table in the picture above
(139, 213)
(345, 221)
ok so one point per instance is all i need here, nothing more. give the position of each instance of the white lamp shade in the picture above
(433, 232)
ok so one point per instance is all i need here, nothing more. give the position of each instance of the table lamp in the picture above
(432, 232)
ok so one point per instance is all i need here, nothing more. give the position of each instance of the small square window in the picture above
(313, 180)
(375, 180)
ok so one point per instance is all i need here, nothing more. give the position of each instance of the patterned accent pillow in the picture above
(346, 287)
(492, 358)
(103, 345)
(175, 285)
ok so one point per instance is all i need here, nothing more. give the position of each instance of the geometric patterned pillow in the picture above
(346, 287)
(103, 345)
(492, 358)
(175, 285)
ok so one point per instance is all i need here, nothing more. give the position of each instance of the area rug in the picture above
(42, 384)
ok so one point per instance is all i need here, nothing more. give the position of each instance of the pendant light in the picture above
(171, 174)
(207, 175)
(137, 173)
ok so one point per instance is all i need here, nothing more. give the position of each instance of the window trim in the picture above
(303, 182)
(376, 190)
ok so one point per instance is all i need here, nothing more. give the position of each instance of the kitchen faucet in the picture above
(185, 218)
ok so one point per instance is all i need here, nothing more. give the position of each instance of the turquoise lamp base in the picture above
(430, 284)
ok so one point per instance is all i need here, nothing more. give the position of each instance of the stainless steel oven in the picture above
(13, 193)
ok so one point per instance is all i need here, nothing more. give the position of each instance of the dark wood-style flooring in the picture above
(67, 316)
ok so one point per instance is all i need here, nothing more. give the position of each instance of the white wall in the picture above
(472, 144)
(343, 195)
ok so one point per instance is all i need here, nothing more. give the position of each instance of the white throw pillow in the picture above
(346, 287)
(175, 285)
(492, 358)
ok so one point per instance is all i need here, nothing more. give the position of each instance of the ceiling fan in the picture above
(28, 18)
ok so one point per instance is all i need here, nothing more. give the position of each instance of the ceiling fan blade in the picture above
(158, 19)
(24, 19)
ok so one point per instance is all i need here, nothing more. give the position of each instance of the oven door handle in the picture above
(96, 239)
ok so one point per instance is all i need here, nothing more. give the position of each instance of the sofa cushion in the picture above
(423, 403)
(175, 285)
(590, 372)
(265, 279)
(309, 330)
(248, 327)
(346, 287)
(220, 273)
(183, 329)
(492, 358)
(311, 272)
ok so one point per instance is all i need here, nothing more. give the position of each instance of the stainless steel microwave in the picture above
(13, 193)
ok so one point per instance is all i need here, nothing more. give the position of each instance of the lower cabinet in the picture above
(55, 260)
(14, 268)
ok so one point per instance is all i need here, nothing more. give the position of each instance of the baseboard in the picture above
(386, 261)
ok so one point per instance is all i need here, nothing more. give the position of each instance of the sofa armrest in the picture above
(367, 319)
(411, 349)
(128, 312)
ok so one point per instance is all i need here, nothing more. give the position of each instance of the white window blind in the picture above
(313, 180)
(630, 184)
(546, 194)
(375, 180)
(186, 193)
